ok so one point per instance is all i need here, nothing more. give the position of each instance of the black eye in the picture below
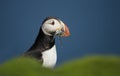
(52, 22)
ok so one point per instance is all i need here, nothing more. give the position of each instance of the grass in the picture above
(86, 66)
(92, 66)
(24, 67)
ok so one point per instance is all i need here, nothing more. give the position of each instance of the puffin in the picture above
(44, 48)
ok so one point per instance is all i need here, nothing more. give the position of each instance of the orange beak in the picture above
(66, 31)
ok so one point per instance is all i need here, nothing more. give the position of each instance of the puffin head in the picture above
(53, 26)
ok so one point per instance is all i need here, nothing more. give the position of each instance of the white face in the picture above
(52, 26)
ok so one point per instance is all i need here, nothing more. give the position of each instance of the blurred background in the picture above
(94, 26)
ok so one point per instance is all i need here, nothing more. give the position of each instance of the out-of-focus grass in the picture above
(24, 67)
(87, 66)
(92, 66)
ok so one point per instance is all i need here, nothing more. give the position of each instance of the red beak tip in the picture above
(67, 32)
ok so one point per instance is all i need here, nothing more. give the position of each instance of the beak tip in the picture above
(67, 32)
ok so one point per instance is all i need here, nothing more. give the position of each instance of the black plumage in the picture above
(42, 43)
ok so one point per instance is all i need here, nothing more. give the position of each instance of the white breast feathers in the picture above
(49, 57)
